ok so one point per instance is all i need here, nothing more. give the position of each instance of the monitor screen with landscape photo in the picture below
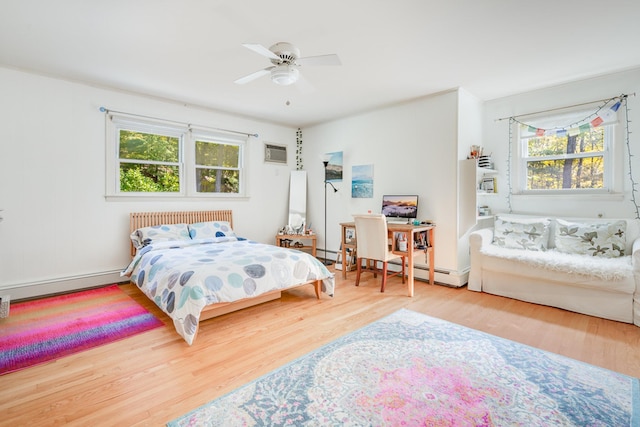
(400, 206)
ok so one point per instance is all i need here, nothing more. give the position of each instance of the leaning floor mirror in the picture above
(297, 201)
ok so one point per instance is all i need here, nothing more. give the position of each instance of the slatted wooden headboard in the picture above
(148, 219)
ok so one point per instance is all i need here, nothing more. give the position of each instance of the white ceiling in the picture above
(190, 50)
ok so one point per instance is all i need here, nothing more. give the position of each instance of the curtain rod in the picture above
(568, 106)
(106, 110)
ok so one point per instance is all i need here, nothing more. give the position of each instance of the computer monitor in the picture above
(400, 207)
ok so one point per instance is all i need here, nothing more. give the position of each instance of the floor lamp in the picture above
(325, 161)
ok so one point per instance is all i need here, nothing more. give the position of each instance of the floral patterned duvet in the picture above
(183, 277)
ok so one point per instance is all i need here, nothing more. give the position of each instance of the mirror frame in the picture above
(297, 202)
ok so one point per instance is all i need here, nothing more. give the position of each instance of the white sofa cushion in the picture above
(531, 234)
(599, 239)
(558, 263)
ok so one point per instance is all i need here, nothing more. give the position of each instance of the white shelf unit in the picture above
(481, 174)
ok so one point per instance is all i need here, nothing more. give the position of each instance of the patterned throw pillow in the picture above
(159, 233)
(212, 229)
(529, 234)
(603, 239)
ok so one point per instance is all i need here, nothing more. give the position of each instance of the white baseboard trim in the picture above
(451, 278)
(61, 285)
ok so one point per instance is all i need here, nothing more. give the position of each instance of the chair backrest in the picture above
(371, 237)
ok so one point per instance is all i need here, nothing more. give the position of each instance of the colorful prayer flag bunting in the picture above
(596, 122)
(602, 116)
(615, 106)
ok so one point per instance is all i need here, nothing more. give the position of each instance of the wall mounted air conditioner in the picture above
(275, 153)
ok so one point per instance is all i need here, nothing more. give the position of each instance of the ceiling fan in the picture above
(286, 60)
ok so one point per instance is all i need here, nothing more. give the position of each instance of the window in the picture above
(159, 159)
(567, 154)
(148, 163)
(217, 166)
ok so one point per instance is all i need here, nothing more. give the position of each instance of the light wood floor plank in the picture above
(155, 377)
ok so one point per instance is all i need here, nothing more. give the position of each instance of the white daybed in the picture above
(584, 265)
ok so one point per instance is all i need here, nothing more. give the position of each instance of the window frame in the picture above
(187, 136)
(612, 154)
(217, 138)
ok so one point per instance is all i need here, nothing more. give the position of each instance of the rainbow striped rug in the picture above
(46, 329)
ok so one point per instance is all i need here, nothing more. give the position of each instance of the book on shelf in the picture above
(488, 185)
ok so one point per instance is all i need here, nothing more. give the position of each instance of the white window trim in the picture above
(212, 136)
(187, 136)
(613, 165)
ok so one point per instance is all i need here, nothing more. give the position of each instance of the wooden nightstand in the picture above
(289, 241)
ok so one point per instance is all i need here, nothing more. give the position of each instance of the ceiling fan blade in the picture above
(259, 49)
(251, 77)
(331, 59)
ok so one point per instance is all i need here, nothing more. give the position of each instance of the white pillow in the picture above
(159, 233)
(531, 234)
(212, 229)
(603, 239)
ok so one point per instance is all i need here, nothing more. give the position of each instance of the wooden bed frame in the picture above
(148, 219)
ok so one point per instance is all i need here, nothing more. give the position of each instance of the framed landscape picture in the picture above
(362, 182)
(334, 168)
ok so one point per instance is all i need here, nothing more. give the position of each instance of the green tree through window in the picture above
(217, 167)
(569, 161)
(162, 158)
(149, 162)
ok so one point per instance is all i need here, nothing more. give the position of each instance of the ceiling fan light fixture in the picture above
(285, 59)
(285, 74)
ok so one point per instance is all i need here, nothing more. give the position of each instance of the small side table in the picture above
(286, 240)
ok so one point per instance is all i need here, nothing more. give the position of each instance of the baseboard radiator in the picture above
(421, 272)
(60, 285)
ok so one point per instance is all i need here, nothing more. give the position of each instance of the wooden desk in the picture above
(411, 232)
(292, 237)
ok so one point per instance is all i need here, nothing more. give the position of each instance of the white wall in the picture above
(469, 133)
(59, 232)
(496, 140)
(414, 150)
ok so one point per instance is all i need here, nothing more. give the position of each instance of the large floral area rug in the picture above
(413, 370)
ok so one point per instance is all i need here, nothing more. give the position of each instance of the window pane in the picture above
(146, 146)
(585, 142)
(215, 154)
(566, 173)
(136, 177)
(217, 181)
(148, 157)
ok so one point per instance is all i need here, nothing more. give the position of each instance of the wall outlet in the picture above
(4, 306)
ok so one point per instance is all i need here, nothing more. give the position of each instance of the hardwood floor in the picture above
(154, 377)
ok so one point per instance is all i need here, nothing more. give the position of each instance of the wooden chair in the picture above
(373, 246)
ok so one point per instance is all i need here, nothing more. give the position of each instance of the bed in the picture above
(194, 267)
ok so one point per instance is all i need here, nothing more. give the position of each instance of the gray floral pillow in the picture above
(602, 239)
(529, 234)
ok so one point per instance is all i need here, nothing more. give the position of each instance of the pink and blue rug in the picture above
(413, 370)
(45, 329)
